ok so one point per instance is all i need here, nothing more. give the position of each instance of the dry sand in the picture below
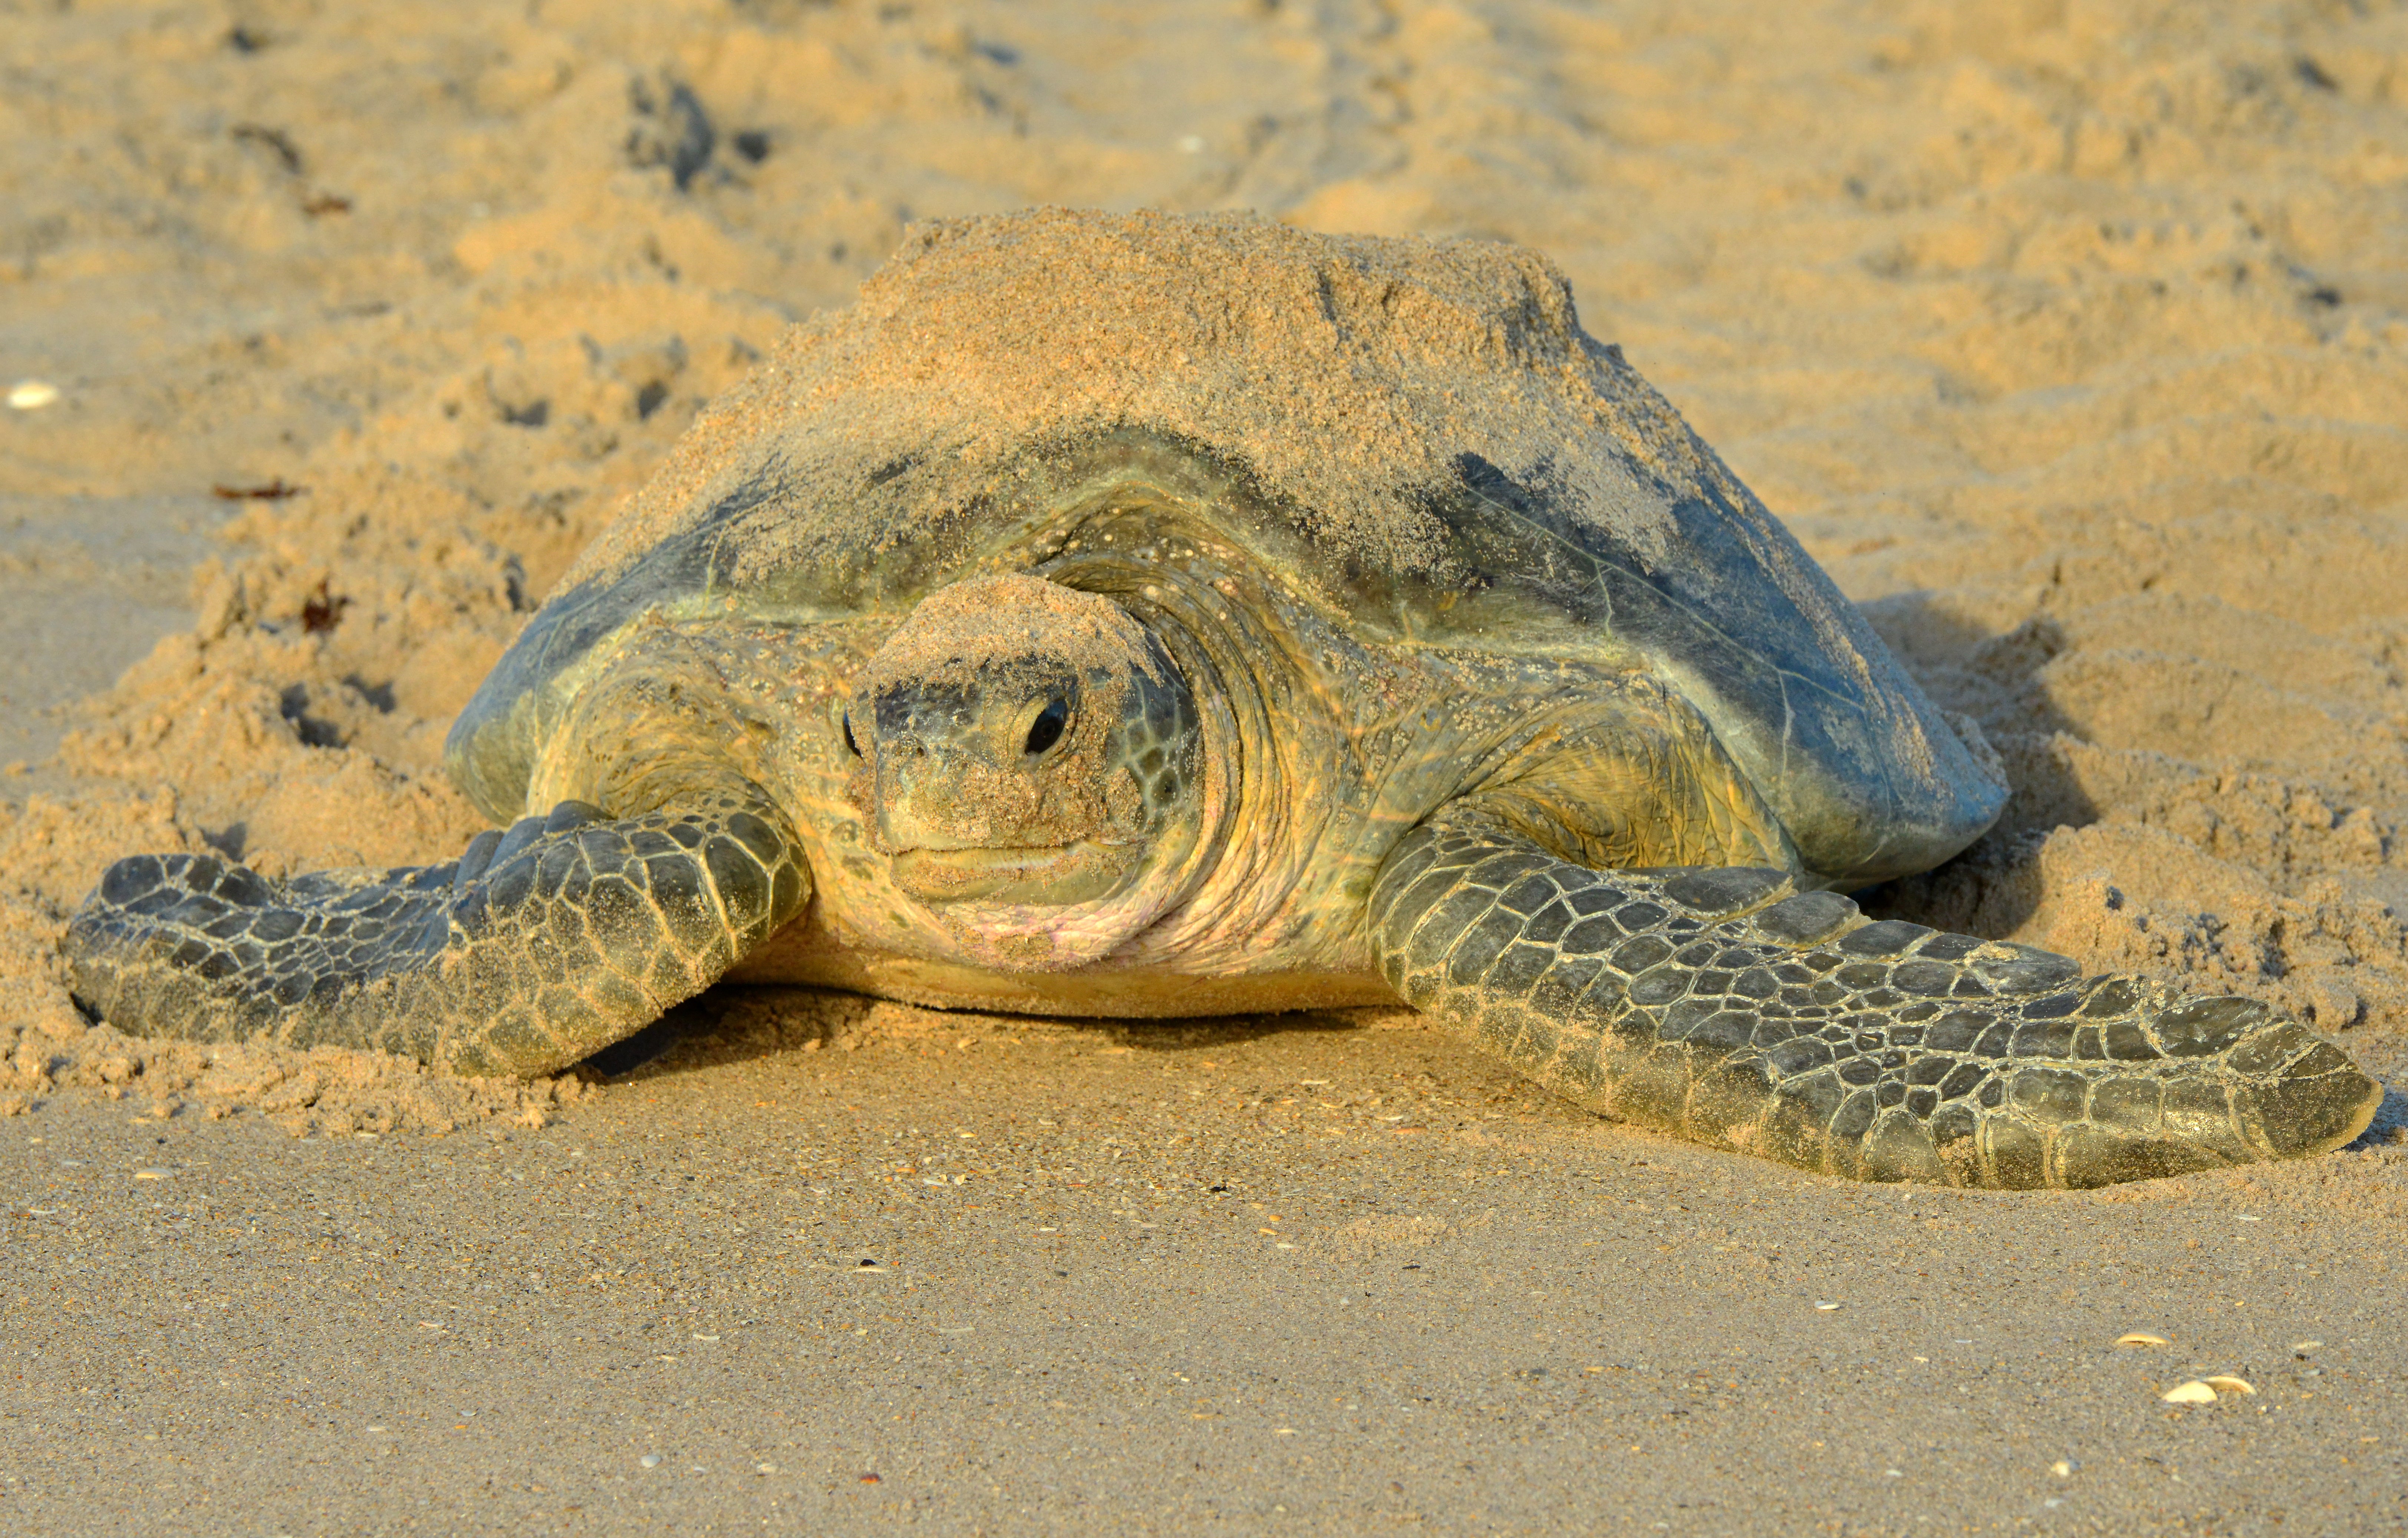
(2071, 338)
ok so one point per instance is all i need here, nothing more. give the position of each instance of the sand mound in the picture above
(1346, 373)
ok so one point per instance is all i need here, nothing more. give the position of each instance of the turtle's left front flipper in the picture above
(1725, 1006)
(536, 948)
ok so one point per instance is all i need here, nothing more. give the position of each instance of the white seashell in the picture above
(1825, 1305)
(32, 394)
(2193, 1393)
(2225, 1382)
(2141, 1337)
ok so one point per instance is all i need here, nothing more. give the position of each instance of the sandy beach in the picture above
(2072, 338)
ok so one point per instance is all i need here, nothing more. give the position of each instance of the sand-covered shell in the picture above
(1418, 436)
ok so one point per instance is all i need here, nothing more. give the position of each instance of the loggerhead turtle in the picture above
(1159, 616)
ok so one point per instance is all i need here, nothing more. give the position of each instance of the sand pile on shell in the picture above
(1348, 375)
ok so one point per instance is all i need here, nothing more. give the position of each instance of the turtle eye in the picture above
(850, 745)
(1046, 729)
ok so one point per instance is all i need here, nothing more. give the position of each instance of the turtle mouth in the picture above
(1032, 874)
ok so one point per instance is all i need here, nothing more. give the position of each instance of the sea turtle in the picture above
(1140, 616)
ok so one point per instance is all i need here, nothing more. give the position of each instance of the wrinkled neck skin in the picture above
(1255, 820)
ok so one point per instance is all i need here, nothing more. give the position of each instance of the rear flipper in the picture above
(536, 948)
(1725, 1006)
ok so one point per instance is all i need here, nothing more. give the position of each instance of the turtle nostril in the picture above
(850, 745)
(1046, 729)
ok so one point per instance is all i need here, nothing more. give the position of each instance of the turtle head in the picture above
(1021, 749)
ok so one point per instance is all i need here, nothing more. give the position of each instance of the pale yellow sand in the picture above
(2073, 338)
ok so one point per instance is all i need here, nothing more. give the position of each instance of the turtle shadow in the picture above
(1994, 676)
(742, 1023)
(1185, 1034)
(1997, 678)
(645, 1047)
(1991, 888)
(2390, 1126)
(1990, 891)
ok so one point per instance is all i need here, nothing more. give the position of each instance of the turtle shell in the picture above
(1419, 437)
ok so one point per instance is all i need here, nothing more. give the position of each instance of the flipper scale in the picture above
(541, 945)
(1961, 1062)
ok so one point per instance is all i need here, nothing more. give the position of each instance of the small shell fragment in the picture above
(2141, 1337)
(2301, 1348)
(2063, 1467)
(1825, 1305)
(2227, 1384)
(2193, 1393)
(32, 394)
(155, 1172)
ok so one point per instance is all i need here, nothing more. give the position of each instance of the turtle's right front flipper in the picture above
(536, 948)
(1725, 1006)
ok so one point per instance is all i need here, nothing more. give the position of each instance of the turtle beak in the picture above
(920, 804)
(955, 827)
(921, 754)
(1045, 873)
(946, 774)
